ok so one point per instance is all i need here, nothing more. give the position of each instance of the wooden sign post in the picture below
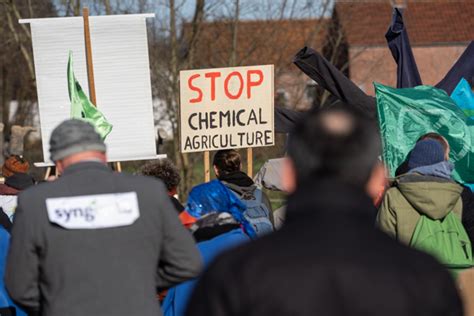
(90, 64)
(250, 162)
(207, 166)
(226, 108)
(90, 68)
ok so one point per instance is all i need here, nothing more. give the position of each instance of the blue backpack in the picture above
(257, 212)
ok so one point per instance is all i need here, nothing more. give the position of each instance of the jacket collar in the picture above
(86, 165)
(442, 169)
(328, 197)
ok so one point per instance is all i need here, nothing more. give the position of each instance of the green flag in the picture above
(82, 107)
(407, 114)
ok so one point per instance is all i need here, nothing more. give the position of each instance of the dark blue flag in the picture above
(399, 44)
(463, 68)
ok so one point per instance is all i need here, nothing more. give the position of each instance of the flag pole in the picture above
(90, 68)
(90, 65)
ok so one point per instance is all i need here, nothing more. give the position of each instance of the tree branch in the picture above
(24, 51)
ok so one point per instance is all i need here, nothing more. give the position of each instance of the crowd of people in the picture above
(98, 242)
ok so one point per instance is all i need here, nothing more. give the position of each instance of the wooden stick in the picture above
(48, 173)
(207, 166)
(90, 67)
(250, 162)
(90, 64)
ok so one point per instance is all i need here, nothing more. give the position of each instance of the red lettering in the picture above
(226, 85)
(194, 88)
(213, 76)
(251, 83)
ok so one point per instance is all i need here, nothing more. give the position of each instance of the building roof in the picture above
(428, 21)
(258, 42)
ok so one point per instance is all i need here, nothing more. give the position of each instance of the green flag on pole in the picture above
(82, 107)
(407, 114)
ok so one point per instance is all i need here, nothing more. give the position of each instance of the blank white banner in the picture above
(122, 78)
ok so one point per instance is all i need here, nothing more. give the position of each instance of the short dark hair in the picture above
(227, 161)
(337, 144)
(163, 169)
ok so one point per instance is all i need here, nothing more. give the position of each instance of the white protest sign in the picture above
(122, 78)
(225, 108)
(94, 211)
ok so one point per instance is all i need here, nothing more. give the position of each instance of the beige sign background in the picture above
(226, 108)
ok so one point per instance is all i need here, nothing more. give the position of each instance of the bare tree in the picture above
(16, 59)
(235, 29)
(166, 76)
(207, 33)
(216, 36)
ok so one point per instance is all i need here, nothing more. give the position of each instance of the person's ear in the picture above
(377, 181)
(216, 171)
(288, 174)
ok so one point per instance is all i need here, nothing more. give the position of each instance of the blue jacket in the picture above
(177, 298)
(5, 300)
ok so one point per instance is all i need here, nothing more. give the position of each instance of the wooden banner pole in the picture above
(90, 67)
(250, 162)
(90, 64)
(207, 166)
(48, 173)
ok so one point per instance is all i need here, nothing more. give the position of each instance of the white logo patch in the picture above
(94, 211)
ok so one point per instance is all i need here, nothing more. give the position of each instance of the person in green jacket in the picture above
(426, 189)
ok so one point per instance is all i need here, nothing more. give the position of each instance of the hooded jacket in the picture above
(413, 195)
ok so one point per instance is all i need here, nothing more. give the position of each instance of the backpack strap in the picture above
(257, 193)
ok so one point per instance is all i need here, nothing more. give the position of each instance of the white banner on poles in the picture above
(122, 78)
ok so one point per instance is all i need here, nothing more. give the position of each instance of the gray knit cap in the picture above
(72, 137)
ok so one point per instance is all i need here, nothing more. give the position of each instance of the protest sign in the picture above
(226, 108)
(122, 78)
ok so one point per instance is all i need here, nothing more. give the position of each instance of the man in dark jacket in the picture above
(328, 259)
(94, 242)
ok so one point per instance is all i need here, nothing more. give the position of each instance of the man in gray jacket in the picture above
(94, 242)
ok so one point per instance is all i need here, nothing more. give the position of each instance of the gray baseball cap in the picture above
(72, 137)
